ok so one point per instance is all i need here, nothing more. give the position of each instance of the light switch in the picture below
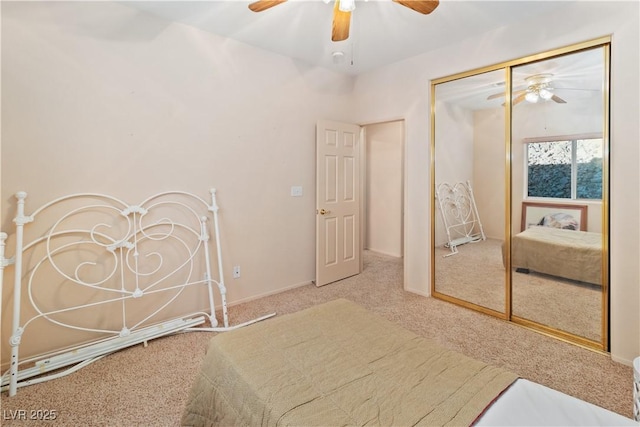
(296, 191)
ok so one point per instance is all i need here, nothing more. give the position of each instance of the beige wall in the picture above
(489, 170)
(98, 97)
(454, 156)
(384, 142)
(402, 89)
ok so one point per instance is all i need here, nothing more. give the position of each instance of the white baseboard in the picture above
(621, 360)
(375, 251)
(421, 293)
(266, 294)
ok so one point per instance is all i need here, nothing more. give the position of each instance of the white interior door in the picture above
(337, 201)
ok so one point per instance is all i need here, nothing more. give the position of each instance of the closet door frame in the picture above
(507, 314)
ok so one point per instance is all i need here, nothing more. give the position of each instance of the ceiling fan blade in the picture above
(341, 22)
(260, 5)
(558, 99)
(518, 99)
(501, 94)
(495, 95)
(422, 6)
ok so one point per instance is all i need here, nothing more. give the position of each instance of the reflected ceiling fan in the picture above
(538, 88)
(342, 12)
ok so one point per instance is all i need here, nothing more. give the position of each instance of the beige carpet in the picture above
(148, 386)
(477, 274)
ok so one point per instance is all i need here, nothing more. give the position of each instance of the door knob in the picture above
(324, 212)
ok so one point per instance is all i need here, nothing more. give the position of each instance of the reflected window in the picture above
(565, 169)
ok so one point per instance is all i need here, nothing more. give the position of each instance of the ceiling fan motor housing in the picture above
(538, 87)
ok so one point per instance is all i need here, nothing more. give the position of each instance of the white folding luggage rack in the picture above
(117, 274)
(459, 214)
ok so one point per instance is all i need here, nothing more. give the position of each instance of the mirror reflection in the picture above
(470, 190)
(550, 147)
(557, 170)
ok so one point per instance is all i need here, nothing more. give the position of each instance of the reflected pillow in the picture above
(559, 220)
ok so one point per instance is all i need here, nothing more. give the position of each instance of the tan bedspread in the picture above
(571, 254)
(337, 364)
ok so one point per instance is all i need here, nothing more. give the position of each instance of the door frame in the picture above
(362, 152)
(363, 190)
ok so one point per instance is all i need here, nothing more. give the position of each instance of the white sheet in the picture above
(526, 403)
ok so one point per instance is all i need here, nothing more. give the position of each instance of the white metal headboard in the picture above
(460, 215)
(113, 271)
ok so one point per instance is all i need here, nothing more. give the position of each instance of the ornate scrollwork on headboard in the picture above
(115, 274)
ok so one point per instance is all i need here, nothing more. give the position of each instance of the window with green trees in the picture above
(565, 169)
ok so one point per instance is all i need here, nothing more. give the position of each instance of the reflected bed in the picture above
(570, 254)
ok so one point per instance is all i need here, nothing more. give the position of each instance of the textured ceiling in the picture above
(382, 31)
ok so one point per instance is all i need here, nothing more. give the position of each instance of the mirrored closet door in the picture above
(469, 178)
(558, 170)
(520, 191)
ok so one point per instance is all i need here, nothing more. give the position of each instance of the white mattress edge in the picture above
(526, 403)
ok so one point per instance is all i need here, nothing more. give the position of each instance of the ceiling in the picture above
(382, 31)
(575, 77)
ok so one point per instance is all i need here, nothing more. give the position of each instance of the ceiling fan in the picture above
(342, 12)
(538, 87)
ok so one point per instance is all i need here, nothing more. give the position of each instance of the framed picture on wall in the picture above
(557, 215)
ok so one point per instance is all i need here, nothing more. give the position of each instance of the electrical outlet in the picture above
(236, 271)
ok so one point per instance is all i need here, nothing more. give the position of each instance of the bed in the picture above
(338, 364)
(570, 254)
